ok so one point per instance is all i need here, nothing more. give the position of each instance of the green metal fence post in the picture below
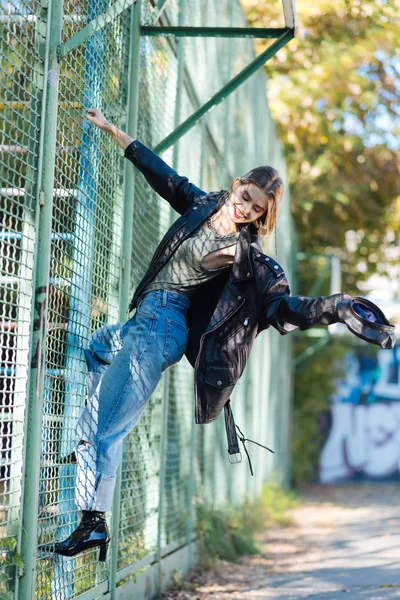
(167, 376)
(179, 83)
(227, 119)
(163, 448)
(178, 105)
(40, 300)
(26, 269)
(126, 247)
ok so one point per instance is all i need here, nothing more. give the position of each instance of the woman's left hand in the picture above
(95, 116)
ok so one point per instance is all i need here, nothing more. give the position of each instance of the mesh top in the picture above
(184, 272)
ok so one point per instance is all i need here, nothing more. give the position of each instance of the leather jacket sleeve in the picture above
(286, 312)
(177, 190)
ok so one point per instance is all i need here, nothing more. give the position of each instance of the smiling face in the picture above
(247, 203)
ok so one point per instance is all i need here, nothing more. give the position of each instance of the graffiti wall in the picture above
(363, 437)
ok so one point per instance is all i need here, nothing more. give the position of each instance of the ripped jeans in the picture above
(125, 363)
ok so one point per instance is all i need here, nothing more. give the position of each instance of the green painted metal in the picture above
(241, 32)
(178, 110)
(319, 280)
(32, 198)
(163, 452)
(95, 25)
(40, 305)
(159, 9)
(322, 333)
(311, 350)
(126, 247)
(129, 181)
(170, 463)
(167, 375)
(227, 101)
(227, 89)
(100, 591)
(179, 85)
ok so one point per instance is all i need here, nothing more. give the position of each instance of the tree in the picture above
(334, 94)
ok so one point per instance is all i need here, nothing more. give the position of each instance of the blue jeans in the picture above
(125, 363)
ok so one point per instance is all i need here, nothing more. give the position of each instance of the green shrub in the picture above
(277, 501)
(228, 532)
(315, 381)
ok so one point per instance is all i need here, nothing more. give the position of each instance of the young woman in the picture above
(208, 292)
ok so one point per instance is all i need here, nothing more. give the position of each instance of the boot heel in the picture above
(103, 552)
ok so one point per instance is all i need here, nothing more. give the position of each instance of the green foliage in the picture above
(228, 532)
(225, 533)
(334, 94)
(277, 501)
(10, 559)
(314, 384)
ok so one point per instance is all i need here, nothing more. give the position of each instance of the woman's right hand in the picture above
(95, 116)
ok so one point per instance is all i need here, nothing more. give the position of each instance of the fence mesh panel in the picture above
(22, 31)
(169, 464)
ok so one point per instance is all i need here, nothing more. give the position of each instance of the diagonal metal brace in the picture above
(98, 23)
(227, 89)
(159, 9)
(311, 350)
(242, 32)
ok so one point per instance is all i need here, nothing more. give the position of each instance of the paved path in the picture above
(344, 543)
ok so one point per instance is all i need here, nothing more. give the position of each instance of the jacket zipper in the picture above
(234, 331)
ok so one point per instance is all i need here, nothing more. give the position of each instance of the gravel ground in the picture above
(343, 540)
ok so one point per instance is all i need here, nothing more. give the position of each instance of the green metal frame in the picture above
(98, 23)
(323, 334)
(242, 32)
(281, 35)
(158, 9)
(47, 89)
(40, 300)
(311, 350)
(126, 249)
(224, 92)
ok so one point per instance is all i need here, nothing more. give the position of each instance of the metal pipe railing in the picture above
(40, 300)
(126, 246)
(236, 32)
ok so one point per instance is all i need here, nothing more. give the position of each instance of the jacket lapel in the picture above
(200, 210)
(242, 269)
(231, 298)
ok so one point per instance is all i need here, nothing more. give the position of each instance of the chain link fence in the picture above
(72, 211)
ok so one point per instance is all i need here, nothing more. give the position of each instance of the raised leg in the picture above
(152, 340)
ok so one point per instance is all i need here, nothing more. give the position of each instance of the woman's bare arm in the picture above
(95, 116)
(171, 186)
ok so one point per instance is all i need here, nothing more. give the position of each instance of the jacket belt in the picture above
(233, 440)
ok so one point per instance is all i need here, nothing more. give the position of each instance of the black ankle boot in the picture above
(92, 531)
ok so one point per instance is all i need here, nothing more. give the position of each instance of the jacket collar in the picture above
(202, 207)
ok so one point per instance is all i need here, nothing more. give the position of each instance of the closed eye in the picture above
(246, 197)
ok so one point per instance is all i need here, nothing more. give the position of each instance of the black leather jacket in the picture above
(228, 313)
